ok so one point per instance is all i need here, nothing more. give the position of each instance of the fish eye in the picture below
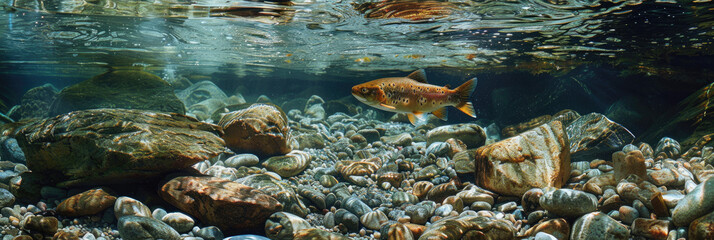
(364, 90)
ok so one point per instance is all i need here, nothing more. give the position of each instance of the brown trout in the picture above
(414, 96)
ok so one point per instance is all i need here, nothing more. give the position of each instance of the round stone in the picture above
(180, 222)
(568, 202)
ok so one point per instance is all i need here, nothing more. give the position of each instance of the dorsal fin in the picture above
(418, 75)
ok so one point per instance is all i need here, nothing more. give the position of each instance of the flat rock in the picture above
(534, 159)
(261, 129)
(126, 206)
(695, 204)
(598, 226)
(140, 228)
(228, 205)
(105, 146)
(471, 134)
(129, 89)
(594, 135)
(89, 202)
(568, 202)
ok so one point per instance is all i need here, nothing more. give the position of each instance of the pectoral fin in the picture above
(412, 118)
(419, 115)
(387, 106)
(440, 113)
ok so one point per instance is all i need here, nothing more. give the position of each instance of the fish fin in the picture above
(464, 92)
(387, 106)
(419, 115)
(418, 75)
(440, 113)
(412, 119)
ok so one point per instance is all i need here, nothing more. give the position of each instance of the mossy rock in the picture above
(128, 89)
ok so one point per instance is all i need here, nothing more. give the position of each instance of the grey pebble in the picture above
(210, 233)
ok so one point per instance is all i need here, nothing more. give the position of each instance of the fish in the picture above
(415, 96)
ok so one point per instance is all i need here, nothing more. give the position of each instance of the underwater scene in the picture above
(356, 119)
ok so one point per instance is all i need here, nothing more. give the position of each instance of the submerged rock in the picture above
(105, 146)
(279, 190)
(35, 103)
(469, 227)
(534, 159)
(594, 135)
(89, 202)
(128, 89)
(631, 163)
(568, 202)
(261, 129)
(283, 225)
(200, 92)
(598, 226)
(470, 134)
(229, 205)
(289, 165)
(695, 204)
(136, 228)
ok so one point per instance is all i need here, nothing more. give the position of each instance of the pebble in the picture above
(126, 206)
(597, 226)
(477, 206)
(443, 210)
(568, 202)
(140, 227)
(651, 228)
(158, 213)
(179, 221)
(417, 214)
(374, 219)
(507, 207)
(544, 236)
(210, 233)
(628, 214)
(348, 219)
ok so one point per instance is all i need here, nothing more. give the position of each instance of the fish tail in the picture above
(464, 92)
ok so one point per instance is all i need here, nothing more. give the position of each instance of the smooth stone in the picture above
(11, 151)
(40, 224)
(372, 135)
(628, 214)
(261, 129)
(641, 208)
(651, 228)
(346, 218)
(625, 164)
(329, 220)
(443, 210)
(180, 222)
(159, 213)
(210, 233)
(476, 206)
(239, 160)
(544, 236)
(6, 198)
(559, 228)
(669, 147)
(373, 220)
(288, 165)
(223, 203)
(695, 204)
(598, 226)
(284, 225)
(400, 198)
(402, 140)
(137, 227)
(702, 228)
(89, 202)
(417, 214)
(507, 207)
(356, 206)
(533, 159)
(568, 202)
(470, 227)
(470, 134)
(246, 237)
(126, 206)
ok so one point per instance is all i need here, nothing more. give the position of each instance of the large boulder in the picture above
(128, 89)
(595, 136)
(105, 146)
(261, 129)
(215, 201)
(534, 159)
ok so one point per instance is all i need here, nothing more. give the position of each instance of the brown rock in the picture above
(534, 159)
(456, 146)
(442, 191)
(261, 129)
(632, 163)
(228, 205)
(702, 228)
(651, 228)
(470, 134)
(422, 188)
(559, 228)
(38, 224)
(470, 227)
(89, 202)
(105, 146)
